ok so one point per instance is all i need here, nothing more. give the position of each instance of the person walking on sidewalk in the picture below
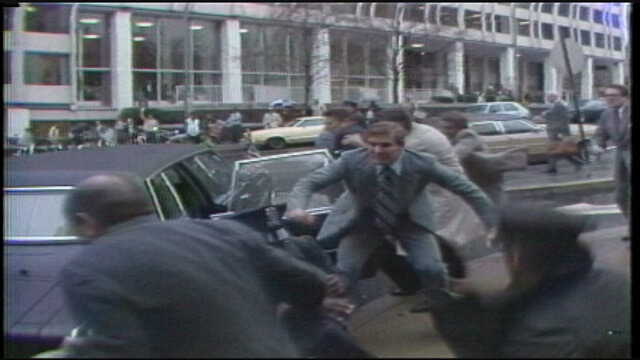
(615, 126)
(557, 118)
(384, 201)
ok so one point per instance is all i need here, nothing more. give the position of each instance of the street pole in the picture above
(583, 142)
(187, 60)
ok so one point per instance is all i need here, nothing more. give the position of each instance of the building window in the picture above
(615, 21)
(472, 19)
(575, 35)
(598, 16)
(308, 6)
(563, 9)
(93, 57)
(385, 10)
(365, 9)
(584, 13)
(564, 32)
(7, 67)
(46, 69)
(47, 18)
(547, 31)
(617, 43)
(502, 24)
(524, 27)
(536, 30)
(414, 12)
(159, 59)
(343, 8)
(449, 16)
(546, 7)
(599, 40)
(523, 5)
(488, 22)
(585, 36)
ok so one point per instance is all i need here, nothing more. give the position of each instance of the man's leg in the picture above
(353, 252)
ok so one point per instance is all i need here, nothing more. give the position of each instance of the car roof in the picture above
(66, 168)
(476, 117)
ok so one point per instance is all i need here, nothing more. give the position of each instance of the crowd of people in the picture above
(199, 288)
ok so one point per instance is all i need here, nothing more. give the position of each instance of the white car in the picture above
(504, 107)
(303, 130)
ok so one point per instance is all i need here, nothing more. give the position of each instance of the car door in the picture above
(511, 109)
(492, 134)
(307, 130)
(527, 134)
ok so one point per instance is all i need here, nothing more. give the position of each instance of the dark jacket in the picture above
(581, 311)
(186, 288)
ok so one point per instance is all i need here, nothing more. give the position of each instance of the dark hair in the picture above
(386, 128)
(109, 198)
(398, 116)
(621, 88)
(458, 119)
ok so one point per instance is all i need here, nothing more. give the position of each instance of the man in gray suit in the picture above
(615, 126)
(557, 118)
(357, 213)
(179, 289)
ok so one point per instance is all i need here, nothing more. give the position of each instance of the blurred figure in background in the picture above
(557, 119)
(271, 119)
(615, 126)
(557, 303)
(192, 124)
(54, 138)
(318, 109)
(326, 138)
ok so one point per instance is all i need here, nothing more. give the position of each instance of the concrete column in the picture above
(550, 77)
(455, 66)
(617, 73)
(400, 61)
(16, 46)
(231, 62)
(586, 88)
(507, 69)
(440, 70)
(321, 67)
(486, 80)
(121, 61)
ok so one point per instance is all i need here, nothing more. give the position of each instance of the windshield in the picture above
(34, 213)
(475, 109)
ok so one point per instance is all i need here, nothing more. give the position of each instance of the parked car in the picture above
(504, 107)
(303, 130)
(589, 108)
(181, 179)
(282, 103)
(501, 135)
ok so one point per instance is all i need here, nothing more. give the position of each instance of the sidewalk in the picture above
(387, 329)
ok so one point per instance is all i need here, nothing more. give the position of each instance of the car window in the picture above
(167, 198)
(485, 128)
(34, 213)
(517, 126)
(476, 109)
(510, 107)
(213, 172)
(313, 122)
(188, 191)
(495, 108)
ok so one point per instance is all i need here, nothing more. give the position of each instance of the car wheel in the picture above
(276, 143)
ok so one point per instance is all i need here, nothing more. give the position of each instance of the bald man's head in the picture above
(107, 199)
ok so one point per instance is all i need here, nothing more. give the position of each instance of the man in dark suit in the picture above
(179, 289)
(615, 126)
(358, 214)
(557, 118)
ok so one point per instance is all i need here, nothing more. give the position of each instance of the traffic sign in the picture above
(574, 53)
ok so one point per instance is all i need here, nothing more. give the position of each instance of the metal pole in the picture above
(187, 62)
(583, 142)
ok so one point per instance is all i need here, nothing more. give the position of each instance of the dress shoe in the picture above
(401, 292)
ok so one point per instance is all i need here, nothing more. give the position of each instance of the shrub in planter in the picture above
(442, 99)
(468, 98)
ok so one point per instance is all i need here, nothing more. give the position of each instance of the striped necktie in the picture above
(387, 206)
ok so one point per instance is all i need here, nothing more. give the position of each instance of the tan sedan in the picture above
(303, 130)
(501, 135)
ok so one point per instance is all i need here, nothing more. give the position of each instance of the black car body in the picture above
(183, 180)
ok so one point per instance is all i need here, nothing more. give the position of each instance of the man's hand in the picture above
(335, 285)
(353, 140)
(300, 215)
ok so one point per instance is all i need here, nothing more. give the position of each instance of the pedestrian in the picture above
(353, 107)
(26, 142)
(467, 144)
(150, 126)
(176, 289)
(132, 132)
(557, 119)
(391, 206)
(557, 302)
(54, 138)
(318, 109)
(271, 119)
(192, 124)
(347, 124)
(234, 125)
(75, 134)
(371, 112)
(615, 126)
(121, 131)
(326, 138)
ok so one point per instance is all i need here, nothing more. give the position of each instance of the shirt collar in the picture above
(396, 166)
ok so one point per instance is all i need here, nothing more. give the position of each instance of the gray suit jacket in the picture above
(606, 129)
(359, 173)
(185, 289)
(557, 118)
